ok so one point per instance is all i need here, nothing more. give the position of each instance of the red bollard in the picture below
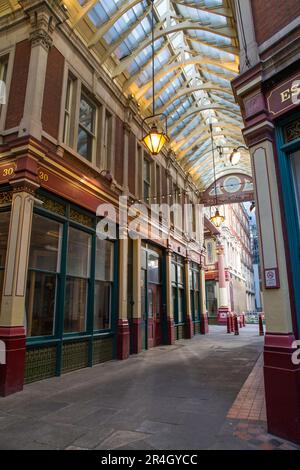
(228, 323)
(236, 326)
(261, 325)
(240, 321)
(244, 320)
(232, 322)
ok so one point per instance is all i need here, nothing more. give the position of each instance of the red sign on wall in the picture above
(284, 97)
(7, 171)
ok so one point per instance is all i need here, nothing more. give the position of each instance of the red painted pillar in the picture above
(228, 324)
(204, 327)
(12, 370)
(223, 296)
(282, 386)
(261, 326)
(12, 332)
(123, 343)
(236, 325)
(189, 327)
(137, 336)
(170, 331)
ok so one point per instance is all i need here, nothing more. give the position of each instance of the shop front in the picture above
(70, 297)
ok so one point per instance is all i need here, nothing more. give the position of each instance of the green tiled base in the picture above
(102, 350)
(40, 363)
(179, 332)
(75, 356)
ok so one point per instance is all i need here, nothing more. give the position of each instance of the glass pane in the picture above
(146, 170)
(191, 279)
(150, 303)
(295, 161)
(144, 258)
(143, 294)
(102, 306)
(1, 284)
(79, 249)
(45, 244)
(153, 268)
(87, 114)
(174, 295)
(4, 227)
(180, 305)
(196, 304)
(196, 280)
(104, 260)
(146, 190)
(180, 274)
(173, 272)
(75, 305)
(40, 303)
(85, 144)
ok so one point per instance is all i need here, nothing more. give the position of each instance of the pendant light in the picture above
(236, 155)
(154, 140)
(216, 219)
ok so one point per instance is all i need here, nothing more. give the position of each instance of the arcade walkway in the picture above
(171, 397)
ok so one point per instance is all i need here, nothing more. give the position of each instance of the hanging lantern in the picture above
(217, 219)
(236, 155)
(155, 140)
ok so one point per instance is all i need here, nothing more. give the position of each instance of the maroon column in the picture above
(137, 335)
(170, 331)
(223, 309)
(204, 328)
(12, 372)
(189, 327)
(282, 387)
(123, 336)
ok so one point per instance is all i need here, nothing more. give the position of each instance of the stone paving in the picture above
(171, 397)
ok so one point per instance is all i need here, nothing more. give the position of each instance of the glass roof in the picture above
(196, 57)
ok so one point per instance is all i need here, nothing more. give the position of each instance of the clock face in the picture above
(232, 184)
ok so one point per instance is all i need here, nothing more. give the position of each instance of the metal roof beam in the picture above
(197, 60)
(126, 6)
(217, 10)
(222, 31)
(208, 86)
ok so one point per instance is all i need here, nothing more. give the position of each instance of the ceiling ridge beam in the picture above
(164, 32)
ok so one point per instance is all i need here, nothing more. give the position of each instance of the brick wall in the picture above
(119, 151)
(131, 163)
(16, 100)
(270, 16)
(53, 92)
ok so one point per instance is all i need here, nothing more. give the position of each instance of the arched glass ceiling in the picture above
(196, 57)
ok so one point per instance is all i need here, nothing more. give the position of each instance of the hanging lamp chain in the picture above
(213, 155)
(153, 84)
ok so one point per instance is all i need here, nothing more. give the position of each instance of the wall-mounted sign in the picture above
(271, 279)
(284, 96)
(230, 189)
(7, 171)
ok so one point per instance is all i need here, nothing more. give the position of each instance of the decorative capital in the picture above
(44, 17)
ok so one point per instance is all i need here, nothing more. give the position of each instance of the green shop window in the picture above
(70, 275)
(177, 277)
(44, 268)
(194, 277)
(104, 275)
(4, 228)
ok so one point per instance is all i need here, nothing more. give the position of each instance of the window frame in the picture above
(93, 133)
(178, 261)
(59, 335)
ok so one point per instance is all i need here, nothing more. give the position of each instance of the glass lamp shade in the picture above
(217, 219)
(235, 157)
(252, 207)
(155, 140)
